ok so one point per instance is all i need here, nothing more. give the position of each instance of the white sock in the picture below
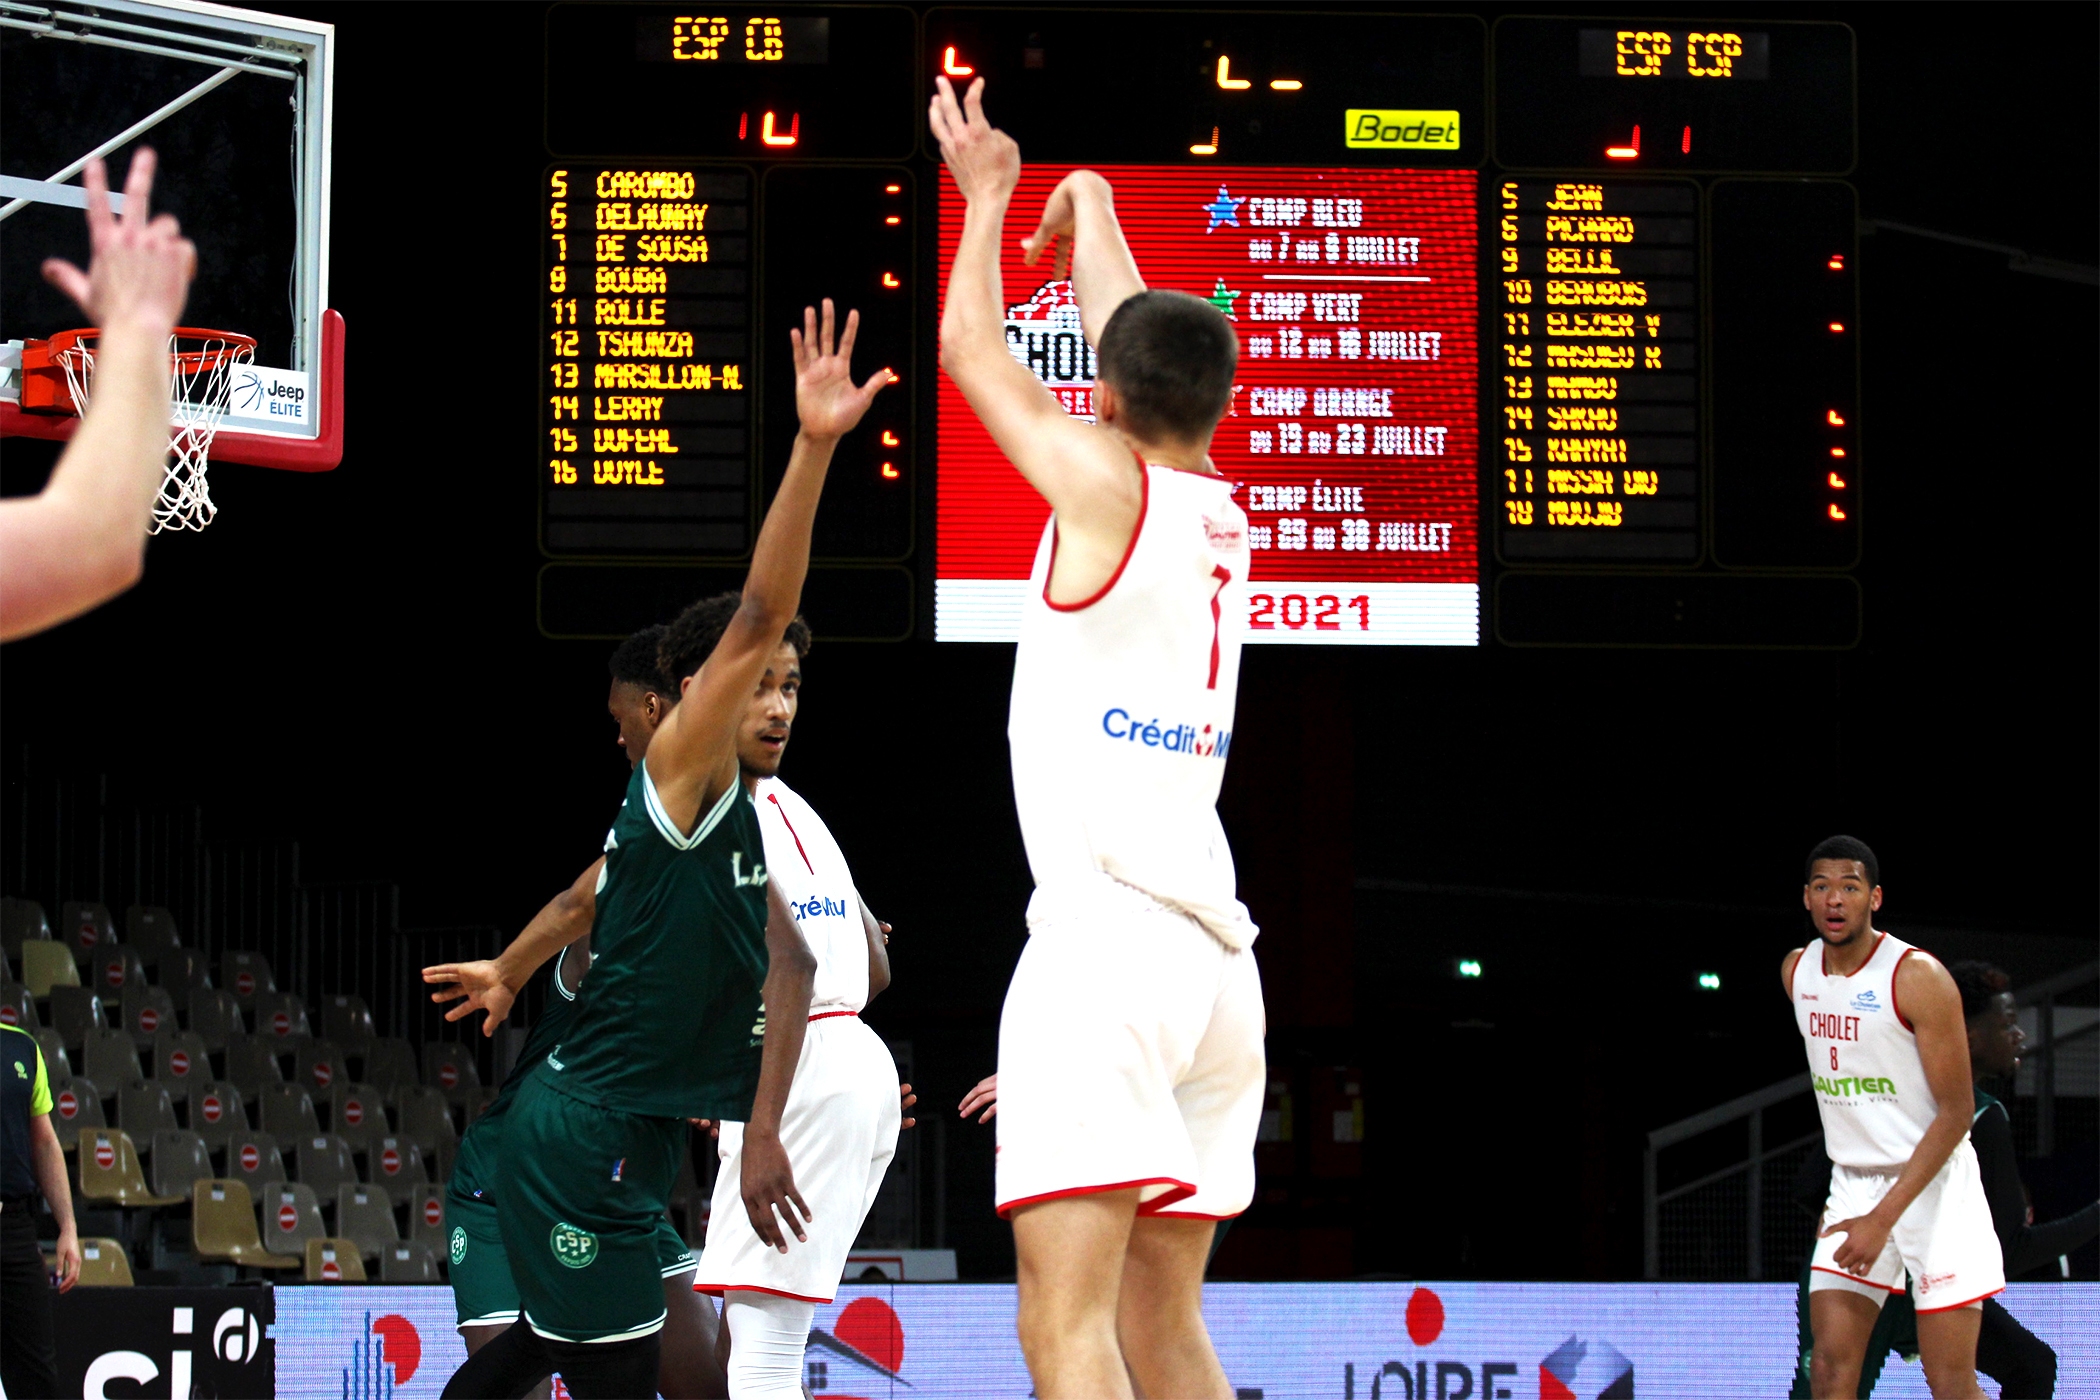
(766, 1336)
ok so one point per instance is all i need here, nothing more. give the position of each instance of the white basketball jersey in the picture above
(1870, 1082)
(1122, 708)
(810, 872)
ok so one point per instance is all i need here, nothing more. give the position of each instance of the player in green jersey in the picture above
(484, 1294)
(690, 952)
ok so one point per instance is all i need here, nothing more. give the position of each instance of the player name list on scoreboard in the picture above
(646, 313)
(1597, 443)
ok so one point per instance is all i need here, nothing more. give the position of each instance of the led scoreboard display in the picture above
(648, 358)
(1548, 326)
(1352, 433)
(1598, 390)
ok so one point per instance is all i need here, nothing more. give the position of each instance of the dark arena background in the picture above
(1602, 648)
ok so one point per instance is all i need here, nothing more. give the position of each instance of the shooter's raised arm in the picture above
(1083, 472)
(1079, 219)
(692, 760)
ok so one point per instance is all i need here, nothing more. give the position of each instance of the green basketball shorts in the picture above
(580, 1199)
(483, 1292)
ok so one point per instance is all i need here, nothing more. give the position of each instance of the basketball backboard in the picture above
(238, 104)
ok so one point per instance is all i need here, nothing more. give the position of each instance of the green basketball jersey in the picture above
(669, 1023)
(474, 1169)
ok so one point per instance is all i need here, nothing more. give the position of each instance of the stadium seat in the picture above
(58, 1065)
(365, 1216)
(78, 1105)
(319, 1067)
(325, 1163)
(412, 1262)
(222, 1227)
(425, 1119)
(390, 1062)
(180, 1061)
(18, 1008)
(251, 1063)
(246, 975)
(449, 1067)
(426, 1218)
(347, 1021)
(289, 1214)
(183, 973)
(252, 1158)
(73, 1012)
(22, 921)
(109, 1057)
(281, 1017)
(114, 968)
(395, 1166)
(215, 1016)
(109, 1171)
(357, 1112)
(147, 1012)
(103, 1264)
(288, 1112)
(330, 1260)
(47, 964)
(218, 1114)
(143, 1109)
(151, 929)
(85, 928)
(180, 1160)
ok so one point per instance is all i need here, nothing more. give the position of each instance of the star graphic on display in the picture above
(1223, 297)
(1224, 209)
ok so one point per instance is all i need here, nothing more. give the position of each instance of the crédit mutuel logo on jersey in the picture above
(1172, 735)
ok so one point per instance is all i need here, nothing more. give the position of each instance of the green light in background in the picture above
(1710, 981)
(1469, 967)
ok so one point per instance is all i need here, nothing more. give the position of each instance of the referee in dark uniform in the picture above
(31, 1164)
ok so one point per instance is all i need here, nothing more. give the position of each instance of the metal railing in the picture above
(1719, 1224)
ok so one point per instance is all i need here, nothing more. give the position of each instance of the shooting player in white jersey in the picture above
(1889, 1051)
(1131, 1065)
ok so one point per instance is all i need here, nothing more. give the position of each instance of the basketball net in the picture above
(202, 365)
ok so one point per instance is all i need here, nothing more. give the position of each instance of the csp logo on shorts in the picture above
(576, 1248)
(459, 1243)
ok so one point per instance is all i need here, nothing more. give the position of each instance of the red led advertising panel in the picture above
(1352, 437)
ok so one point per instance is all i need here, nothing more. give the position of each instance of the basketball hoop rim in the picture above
(320, 453)
(217, 345)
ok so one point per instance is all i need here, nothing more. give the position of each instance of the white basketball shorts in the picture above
(840, 1130)
(1130, 1054)
(1943, 1247)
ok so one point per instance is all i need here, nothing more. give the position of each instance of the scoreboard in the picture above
(1548, 327)
(1352, 433)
